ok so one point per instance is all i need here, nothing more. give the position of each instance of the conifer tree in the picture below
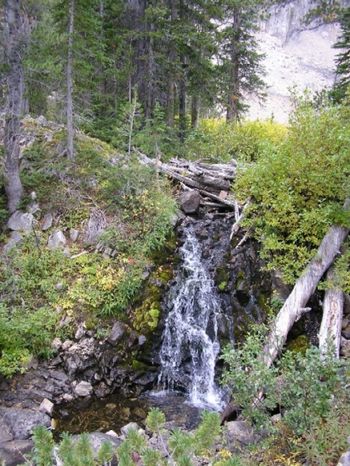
(239, 58)
(343, 58)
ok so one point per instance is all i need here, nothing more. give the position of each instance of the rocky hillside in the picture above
(296, 55)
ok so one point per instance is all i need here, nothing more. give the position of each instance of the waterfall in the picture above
(190, 343)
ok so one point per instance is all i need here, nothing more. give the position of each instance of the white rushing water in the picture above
(190, 343)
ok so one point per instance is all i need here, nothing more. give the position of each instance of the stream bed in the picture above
(115, 411)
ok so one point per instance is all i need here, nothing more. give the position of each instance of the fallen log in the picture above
(304, 287)
(333, 305)
(210, 181)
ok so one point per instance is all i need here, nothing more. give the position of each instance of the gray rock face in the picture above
(117, 333)
(57, 240)
(21, 221)
(189, 202)
(344, 459)
(20, 422)
(83, 389)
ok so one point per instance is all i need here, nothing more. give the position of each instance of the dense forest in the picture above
(153, 238)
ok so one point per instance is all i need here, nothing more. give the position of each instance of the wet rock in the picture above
(96, 440)
(241, 432)
(14, 453)
(112, 433)
(131, 426)
(21, 221)
(83, 389)
(190, 201)
(20, 422)
(57, 240)
(142, 340)
(46, 406)
(117, 333)
(47, 221)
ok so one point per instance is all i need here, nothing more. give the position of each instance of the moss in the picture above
(299, 344)
(139, 366)
(222, 277)
(146, 315)
(222, 286)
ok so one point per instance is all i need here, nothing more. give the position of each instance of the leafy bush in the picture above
(217, 140)
(298, 188)
(310, 393)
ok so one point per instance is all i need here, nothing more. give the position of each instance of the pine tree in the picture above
(343, 58)
(16, 38)
(239, 58)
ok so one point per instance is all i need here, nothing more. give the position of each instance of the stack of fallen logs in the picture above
(212, 181)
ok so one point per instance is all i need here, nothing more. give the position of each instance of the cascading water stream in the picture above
(190, 343)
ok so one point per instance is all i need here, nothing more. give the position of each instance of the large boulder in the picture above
(190, 201)
(21, 221)
(20, 422)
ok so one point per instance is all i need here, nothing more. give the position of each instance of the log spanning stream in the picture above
(190, 339)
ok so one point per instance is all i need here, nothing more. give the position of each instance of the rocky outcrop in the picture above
(296, 54)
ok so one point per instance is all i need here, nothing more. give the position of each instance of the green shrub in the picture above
(217, 140)
(298, 188)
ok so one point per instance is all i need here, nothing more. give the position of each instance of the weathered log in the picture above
(333, 305)
(208, 184)
(304, 287)
(219, 184)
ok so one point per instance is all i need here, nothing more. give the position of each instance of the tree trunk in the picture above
(194, 111)
(304, 287)
(70, 124)
(170, 100)
(232, 113)
(15, 40)
(333, 305)
(182, 108)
